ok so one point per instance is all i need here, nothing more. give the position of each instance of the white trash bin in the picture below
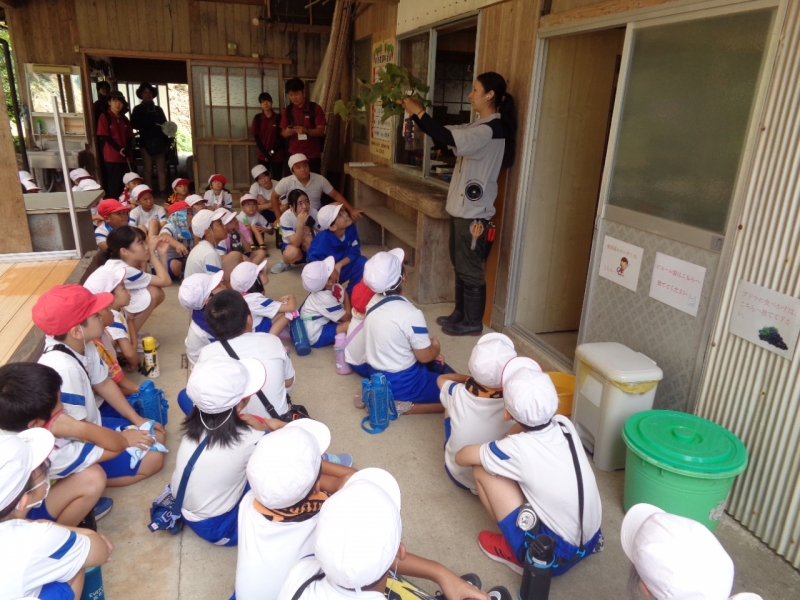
(613, 382)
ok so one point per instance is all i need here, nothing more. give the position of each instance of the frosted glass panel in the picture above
(236, 89)
(253, 87)
(219, 86)
(239, 124)
(687, 103)
(219, 117)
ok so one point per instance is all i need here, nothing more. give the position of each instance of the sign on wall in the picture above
(766, 318)
(380, 134)
(620, 262)
(677, 283)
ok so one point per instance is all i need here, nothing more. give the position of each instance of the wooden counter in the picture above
(406, 212)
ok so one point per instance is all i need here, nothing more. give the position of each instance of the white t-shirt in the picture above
(76, 387)
(268, 349)
(118, 330)
(202, 259)
(33, 554)
(355, 353)
(314, 189)
(473, 420)
(217, 482)
(134, 278)
(196, 340)
(541, 462)
(321, 589)
(393, 332)
(268, 551)
(289, 222)
(256, 190)
(69, 456)
(101, 233)
(256, 219)
(224, 200)
(318, 310)
(138, 216)
(261, 306)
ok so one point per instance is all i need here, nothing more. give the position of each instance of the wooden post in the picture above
(16, 235)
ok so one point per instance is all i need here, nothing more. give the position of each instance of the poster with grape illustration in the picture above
(766, 318)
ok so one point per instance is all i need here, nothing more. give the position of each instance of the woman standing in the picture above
(482, 147)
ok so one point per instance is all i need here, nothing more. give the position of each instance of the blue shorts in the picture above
(286, 244)
(120, 465)
(566, 555)
(264, 326)
(172, 275)
(57, 590)
(185, 403)
(109, 412)
(417, 383)
(222, 530)
(447, 432)
(327, 336)
(40, 512)
(361, 370)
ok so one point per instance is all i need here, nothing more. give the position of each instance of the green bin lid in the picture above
(685, 443)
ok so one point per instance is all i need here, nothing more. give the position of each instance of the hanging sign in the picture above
(620, 262)
(380, 134)
(766, 318)
(677, 283)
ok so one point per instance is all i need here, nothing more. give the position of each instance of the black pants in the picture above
(315, 165)
(276, 169)
(468, 263)
(114, 174)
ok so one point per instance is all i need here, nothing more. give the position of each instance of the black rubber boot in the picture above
(474, 305)
(458, 312)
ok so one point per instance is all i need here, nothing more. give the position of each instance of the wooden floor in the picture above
(21, 284)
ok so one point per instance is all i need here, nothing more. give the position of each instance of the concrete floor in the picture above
(440, 521)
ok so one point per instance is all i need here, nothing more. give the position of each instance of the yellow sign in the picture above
(381, 134)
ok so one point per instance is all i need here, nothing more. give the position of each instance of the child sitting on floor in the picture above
(130, 181)
(339, 238)
(355, 351)
(194, 294)
(326, 309)
(179, 237)
(216, 195)
(268, 315)
(114, 215)
(180, 189)
(473, 405)
(254, 221)
(147, 216)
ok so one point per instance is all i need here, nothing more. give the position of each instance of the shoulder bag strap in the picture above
(382, 302)
(576, 463)
(261, 396)
(307, 583)
(63, 348)
(187, 470)
(350, 337)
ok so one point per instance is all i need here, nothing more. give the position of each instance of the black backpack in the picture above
(312, 110)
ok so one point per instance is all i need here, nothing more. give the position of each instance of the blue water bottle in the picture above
(150, 403)
(93, 585)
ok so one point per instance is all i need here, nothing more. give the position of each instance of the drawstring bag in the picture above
(376, 394)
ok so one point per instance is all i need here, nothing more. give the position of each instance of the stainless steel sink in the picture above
(51, 159)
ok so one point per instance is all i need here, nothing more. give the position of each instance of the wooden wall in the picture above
(16, 235)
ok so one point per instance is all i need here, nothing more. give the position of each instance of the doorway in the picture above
(580, 78)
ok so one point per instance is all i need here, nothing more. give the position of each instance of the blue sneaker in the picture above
(346, 460)
(102, 508)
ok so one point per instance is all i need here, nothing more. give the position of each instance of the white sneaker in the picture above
(279, 267)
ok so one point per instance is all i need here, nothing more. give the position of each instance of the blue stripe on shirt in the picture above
(135, 277)
(65, 547)
(87, 449)
(266, 302)
(213, 269)
(497, 452)
(74, 399)
(450, 389)
(119, 326)
(336, 308)
(419, 329)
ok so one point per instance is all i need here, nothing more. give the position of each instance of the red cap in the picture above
(109, 206)
(178, 182)
(217, 177)
(361, 296)
(63, 307)
(173, 208)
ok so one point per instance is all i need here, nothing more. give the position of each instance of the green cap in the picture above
(684, 443)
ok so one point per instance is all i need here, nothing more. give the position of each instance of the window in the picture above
(362, 69)
(450, 73)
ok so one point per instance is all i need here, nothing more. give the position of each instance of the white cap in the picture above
(139, 190)
(315, 275)
(104, 279)
(746, 596)
(76, 174)
(220, 383)
(196, 288)
(201, 222)
(227, 215)
(258, 170)
(30, 185)
(677, 558)
(140, 299)
(383, 271)
(296, 158)
(88, 185)
(20, 454)
(286, 463)
(327, 215)
(244, 275)
(488, 358)
(130, 176)
(358, 532)
(25, 176)
(194, 199)
(529, 395)
(246, 197)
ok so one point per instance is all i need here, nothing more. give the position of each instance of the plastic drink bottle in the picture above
(342, 368)
(150, 357)
(538, 571)
(93, 585)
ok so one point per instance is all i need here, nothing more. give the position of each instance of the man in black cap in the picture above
(147, 118)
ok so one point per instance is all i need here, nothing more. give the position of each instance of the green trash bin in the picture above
(681, 463)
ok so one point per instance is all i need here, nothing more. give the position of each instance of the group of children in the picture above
(250, 472)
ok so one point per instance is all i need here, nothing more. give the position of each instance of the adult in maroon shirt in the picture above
(114, 128)
(301, 129)
(266, 129)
